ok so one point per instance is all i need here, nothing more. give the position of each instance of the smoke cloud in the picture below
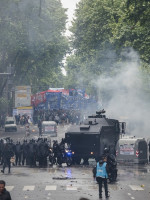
(123, 96)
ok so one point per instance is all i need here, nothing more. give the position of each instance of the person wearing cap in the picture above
(100, 172)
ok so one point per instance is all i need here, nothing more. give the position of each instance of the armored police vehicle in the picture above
(88, 140)
(131, 149)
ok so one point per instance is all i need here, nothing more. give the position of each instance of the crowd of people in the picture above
(59, 116)
(32, 153)
(20, 119)
(35, 152)
(23, 119)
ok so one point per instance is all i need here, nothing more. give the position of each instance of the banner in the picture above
(62, 99)
(22, 96)
(53, 100)
(38, 98)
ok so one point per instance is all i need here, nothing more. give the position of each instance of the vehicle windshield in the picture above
(10, 122)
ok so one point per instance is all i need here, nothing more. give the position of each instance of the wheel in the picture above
(59, 161)
(69, 161)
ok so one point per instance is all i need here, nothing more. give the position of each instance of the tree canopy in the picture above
(102, 29)
(33, 41)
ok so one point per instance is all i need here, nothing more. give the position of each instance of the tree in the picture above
(93, 49)
(33, 41)
(103, 29)
(132, 27)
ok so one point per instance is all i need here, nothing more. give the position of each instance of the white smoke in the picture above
(123, 98)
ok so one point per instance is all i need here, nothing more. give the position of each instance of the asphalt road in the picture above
(71, 183)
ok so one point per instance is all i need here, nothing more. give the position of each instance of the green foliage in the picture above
(3, 105)
(90, 27)
(33, 41)
(101, 30)
(132, 31)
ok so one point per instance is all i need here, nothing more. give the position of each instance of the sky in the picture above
(71, 5)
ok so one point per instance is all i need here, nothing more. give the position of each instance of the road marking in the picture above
(54, 187)
(135, 187)
(51, 187)
(70, 187)
(9, 188)
(29, 188)
(132, 198)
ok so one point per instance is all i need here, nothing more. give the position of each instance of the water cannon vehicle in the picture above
(89, 139)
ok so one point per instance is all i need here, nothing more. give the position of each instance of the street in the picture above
(72, 182)
(75, 99)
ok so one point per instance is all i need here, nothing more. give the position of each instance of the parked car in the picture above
(10, 124)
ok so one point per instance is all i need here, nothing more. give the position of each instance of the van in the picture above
(134, 150)
(10, 124)
(49, 128)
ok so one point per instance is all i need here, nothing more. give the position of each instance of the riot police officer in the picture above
(18, 153)
(32, 153)
(25, 153)
(61, 151)
(42, 151)
(112, 165)
(6, 156)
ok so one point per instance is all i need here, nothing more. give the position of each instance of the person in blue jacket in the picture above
(100, 172)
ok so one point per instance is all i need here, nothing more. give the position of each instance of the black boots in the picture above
(3, 171)
(107, 196)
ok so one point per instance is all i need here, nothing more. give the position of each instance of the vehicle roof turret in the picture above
(93, 124)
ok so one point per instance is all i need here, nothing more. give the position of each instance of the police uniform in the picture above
(101, 177)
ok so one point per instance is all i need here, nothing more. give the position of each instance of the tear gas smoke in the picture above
(123, 97)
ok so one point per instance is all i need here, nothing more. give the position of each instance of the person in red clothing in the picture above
(4, 194)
